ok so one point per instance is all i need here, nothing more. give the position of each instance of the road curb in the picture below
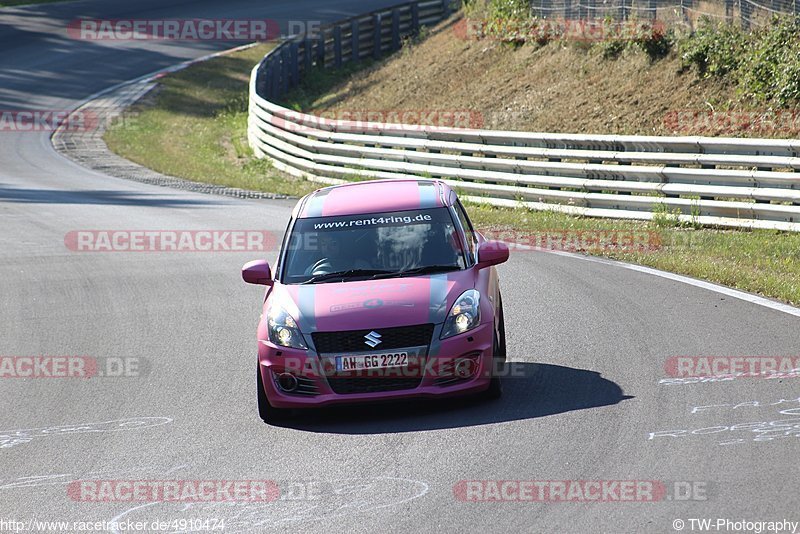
(88, 149)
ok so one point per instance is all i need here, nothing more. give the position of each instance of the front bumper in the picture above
(437, 378)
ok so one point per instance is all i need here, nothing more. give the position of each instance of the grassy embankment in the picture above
(194, 126)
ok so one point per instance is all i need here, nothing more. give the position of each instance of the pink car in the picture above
(383, 290)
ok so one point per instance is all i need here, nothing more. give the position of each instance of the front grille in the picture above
(361, 384)
(391, 338)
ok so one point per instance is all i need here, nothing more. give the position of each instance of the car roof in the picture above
(375, 196)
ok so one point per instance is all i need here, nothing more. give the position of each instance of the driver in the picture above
(334, 256)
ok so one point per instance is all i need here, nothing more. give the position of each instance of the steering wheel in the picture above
(322, 266)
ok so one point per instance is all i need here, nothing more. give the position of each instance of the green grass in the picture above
(314, 89)
(195, 127)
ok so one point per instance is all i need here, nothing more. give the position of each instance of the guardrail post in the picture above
(395, 29)
(264, 85)
(376, 35)
(415, 18)
(294, 63)
(275, 79)
(261, 79)
(284, 70)
(355, 43)
(308, 45)
(337, 46)
(321, 49)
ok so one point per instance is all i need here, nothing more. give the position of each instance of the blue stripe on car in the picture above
(427, 195)
(315, 204)
(308, 319)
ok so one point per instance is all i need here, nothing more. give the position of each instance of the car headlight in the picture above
(282, 329)
(465, 314)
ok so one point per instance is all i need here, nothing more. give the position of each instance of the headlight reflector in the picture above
(465, 315)
(282, 329)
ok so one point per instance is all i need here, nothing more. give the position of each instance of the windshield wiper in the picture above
(347, 274)
(428, 269)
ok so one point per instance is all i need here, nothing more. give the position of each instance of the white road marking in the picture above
(733, 293)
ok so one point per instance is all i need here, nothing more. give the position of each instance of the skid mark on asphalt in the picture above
(12, 438)
(63, 479)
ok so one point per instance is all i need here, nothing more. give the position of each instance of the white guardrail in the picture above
(706, 180)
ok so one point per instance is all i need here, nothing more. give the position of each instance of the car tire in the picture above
(501, 353)
(267, 412)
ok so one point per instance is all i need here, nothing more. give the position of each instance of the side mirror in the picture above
(257, 272)
(492, 253)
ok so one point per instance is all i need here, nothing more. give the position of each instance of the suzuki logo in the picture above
(373, 339)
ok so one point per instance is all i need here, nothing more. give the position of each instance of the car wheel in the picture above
(501, 353)
(267, 412)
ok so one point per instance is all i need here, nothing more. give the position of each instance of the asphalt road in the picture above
(590, 342)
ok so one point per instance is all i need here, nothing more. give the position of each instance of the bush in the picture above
(715, 50)
(764, 63)
(770, 71)
(508, 21)
(653, 40)
(509, 9)
(612, 48)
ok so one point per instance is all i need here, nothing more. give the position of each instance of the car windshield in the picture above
(375, 245)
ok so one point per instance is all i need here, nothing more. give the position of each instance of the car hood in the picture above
(357, 305)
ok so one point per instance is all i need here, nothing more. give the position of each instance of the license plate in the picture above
(371, 361)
